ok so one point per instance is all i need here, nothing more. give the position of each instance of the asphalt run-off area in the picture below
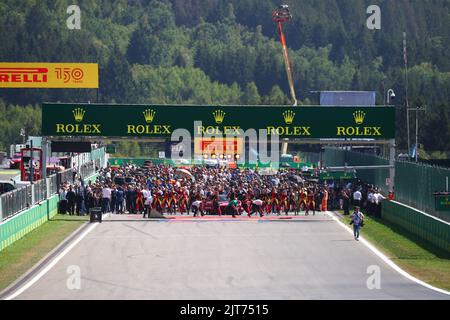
(209, 258)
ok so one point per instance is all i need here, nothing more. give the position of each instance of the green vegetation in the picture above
(412, 254)
(227, 52)
(18, 258)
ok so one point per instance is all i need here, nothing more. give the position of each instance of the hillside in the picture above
(227, 52)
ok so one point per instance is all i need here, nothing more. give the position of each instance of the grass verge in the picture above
(417, 257)
(22, 255)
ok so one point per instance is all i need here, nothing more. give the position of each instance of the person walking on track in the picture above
(357, 222)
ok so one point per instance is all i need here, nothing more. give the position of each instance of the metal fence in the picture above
(338, 157)
(415, 183)
(18, 200)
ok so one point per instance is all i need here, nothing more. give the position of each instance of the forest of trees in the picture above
(227, 52)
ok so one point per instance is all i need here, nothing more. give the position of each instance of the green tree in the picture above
(251, 95)
(277, 97)
(116, 82)
(134, 150)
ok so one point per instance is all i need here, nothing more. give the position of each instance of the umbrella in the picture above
(185, 173)
(296, 178)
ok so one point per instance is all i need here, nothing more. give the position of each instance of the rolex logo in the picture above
(149, 115)
(78, 113)
(219, 116)
(359, 117)
(289, 116)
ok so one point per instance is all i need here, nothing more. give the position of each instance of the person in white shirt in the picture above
(370, 202)
(357, 198)
(62, 200)
(377, 199)
(148, 200)
(197, 206)
(74, 172)
(106, 199)
(257, 207)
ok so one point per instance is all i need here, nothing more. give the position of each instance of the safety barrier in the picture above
(26, 221)
(18, 226)
(18, 200)
(426, 227)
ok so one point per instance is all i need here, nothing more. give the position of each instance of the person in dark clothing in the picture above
(131, 200)
(90, 200)
(113, 199)
(191, 201)
(70, 201)
(319, 200)
(79, 198)
(346, 202)
(74, 172)
(120, 195)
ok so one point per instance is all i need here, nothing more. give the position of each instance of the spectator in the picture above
(345, 202)
(106, 199)
(113, 199)
(79, 199)
(70, 201)
(62, 200)
(120, 197)
(148, 200)
(357, 196)
(370, 202)
(74, 173)
(378, 199)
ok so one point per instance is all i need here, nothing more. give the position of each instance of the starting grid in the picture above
(319, 217)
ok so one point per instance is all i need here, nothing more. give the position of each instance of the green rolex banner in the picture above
(162, 120)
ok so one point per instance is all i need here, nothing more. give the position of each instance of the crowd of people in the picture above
(209, 190)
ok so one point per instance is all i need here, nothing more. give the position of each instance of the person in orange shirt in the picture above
(273, 202)
(139, 200)
(284, 202)
(183, 202)
(302, 200)
(172, 203)
(311, 204)
(324, 200)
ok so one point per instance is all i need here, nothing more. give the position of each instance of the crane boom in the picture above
(280, 15)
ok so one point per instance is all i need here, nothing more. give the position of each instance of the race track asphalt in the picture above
(126, 257)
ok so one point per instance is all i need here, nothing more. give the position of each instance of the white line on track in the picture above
(91, 227)
(387, 260)
(36, 278)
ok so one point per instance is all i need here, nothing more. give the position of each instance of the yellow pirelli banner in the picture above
(48, 75)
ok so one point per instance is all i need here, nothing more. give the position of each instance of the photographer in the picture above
(357, 222)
